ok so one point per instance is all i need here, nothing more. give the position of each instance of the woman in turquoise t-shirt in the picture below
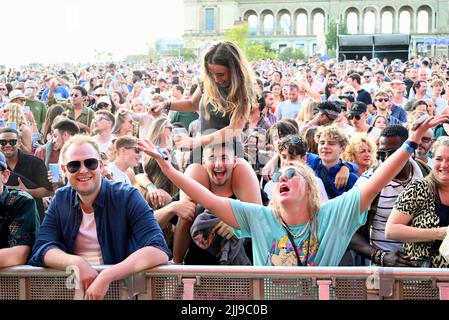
(296, 229)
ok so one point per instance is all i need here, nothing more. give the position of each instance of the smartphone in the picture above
(180, 132)
(26, 109)
(420, 120)
(162, 153)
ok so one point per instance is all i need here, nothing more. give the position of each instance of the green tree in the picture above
(239, 35)
(258, 51)
(253, 51)
(187, 54)
(291, 54)
(331, 35)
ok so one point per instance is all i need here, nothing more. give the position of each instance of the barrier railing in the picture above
(175, 282)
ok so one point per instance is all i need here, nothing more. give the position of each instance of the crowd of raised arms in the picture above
(224, 162)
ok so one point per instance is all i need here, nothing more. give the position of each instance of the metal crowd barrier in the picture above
(175, 282)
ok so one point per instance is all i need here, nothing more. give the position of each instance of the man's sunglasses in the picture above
(354, 116)
(384, 154)
(136, 149)
(288, 174)
(382, 100)
(74, 166)
(12, 142)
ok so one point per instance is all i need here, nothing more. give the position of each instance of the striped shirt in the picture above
(387, 198)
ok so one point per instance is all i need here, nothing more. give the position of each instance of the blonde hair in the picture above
(16, 114)
(431, 178)
(354, 146)
(314, 200)
(241, 95)
(332, 132)
(79, 139)
(151, 168)
(306, 112)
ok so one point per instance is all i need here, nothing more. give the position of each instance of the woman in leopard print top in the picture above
(421, 214)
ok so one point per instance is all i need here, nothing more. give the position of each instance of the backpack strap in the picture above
(424, 167)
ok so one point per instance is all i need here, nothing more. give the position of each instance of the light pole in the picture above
(337, 46)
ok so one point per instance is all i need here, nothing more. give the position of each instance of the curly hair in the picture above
(355, 145)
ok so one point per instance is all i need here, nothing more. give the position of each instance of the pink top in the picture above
(86, 243)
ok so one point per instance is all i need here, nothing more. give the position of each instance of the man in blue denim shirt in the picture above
(95, 221)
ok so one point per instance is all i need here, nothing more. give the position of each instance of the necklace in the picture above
(300, 234)
(405, 182)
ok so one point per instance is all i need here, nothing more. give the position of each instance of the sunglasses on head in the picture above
(354, 116)
(294, 140)
(288, 174)
(382, 100)
(74, 166)
(11, 142)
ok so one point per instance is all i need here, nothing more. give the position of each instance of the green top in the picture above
(39, 111)
(84, 117)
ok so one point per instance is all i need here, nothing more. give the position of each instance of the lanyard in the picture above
(292, 241)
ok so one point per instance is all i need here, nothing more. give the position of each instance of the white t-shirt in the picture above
(86, 243)
(117, 174)
(105, 146)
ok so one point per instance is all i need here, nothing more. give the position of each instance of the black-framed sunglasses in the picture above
(382, 155)
(74, 166)
(382, 100)
(288, 174)
(136, 149)
(294, 140)
(11, 142)
(354, 116)
(76, 95)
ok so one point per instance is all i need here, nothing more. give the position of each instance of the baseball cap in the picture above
(104, 99)
(357, 108)
(329, 108)
(3, 165)
(350, 97)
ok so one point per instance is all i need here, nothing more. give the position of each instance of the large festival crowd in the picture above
(224, 162)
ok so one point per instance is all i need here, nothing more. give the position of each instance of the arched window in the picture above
(387, 22)
(285, 24)
(423, 21)
(301, 24)
(318, 23)
(370, 22)
(268, 24)
(404, 22)
(352, 22)
(252, 24)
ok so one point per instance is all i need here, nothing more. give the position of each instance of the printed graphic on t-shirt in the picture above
(283, 254)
